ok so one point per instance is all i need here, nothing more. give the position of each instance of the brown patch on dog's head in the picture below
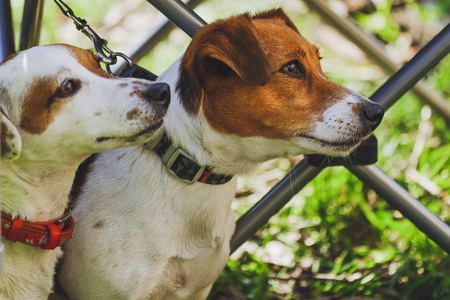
(88, 60)
(241, 69)
(39, 107)
(9, 58)
(221, 49)
(277, 14)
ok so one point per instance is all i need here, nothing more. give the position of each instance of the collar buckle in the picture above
(183, 166)
(64, 217)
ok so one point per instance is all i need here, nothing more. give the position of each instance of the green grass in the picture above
(338, 238)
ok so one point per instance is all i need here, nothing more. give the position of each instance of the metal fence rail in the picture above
(6, 30)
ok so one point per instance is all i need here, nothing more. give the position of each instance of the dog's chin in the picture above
(332, 147)
(340, 150)
(138, 138)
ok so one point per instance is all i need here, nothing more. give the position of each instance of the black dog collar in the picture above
(184, 166)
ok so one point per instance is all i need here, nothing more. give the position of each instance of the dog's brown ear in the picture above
(11, 143)
(276, 13)
(231, 44)
(224, 48)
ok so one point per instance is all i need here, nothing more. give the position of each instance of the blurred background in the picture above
(336, 239)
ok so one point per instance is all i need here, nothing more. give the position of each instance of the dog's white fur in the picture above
(47, 133)
(144, 234)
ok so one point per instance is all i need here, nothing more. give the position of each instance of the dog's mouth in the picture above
(130, 139)
(348, 143)
(340, 147)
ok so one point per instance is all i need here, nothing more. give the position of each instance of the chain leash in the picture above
(107, 56)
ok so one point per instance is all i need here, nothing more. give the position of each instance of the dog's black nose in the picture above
(373, 113)
(159, 92)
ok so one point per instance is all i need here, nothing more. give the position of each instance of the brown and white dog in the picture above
(58, 107)
(248, 89)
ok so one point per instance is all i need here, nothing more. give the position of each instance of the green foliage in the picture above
(249, 275)
(380, 21)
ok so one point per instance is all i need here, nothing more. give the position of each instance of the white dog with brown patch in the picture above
(58, 107)
(155, 221)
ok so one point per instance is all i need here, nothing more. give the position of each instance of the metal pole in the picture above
(31, 24)
(6, 30)
(375, 51)
(272, 202)
(180, 14)
(427, 58)
(412, 209)
(160, 33)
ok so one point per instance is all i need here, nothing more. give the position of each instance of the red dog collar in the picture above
(47, 235)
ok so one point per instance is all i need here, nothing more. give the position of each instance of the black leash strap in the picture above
(136, 71)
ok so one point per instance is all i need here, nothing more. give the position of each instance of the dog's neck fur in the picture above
(36, 191)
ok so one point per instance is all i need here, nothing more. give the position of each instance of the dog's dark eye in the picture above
(294, 69)
(67, 88)
(291, 68)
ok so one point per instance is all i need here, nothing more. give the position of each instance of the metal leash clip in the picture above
(100, 45)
